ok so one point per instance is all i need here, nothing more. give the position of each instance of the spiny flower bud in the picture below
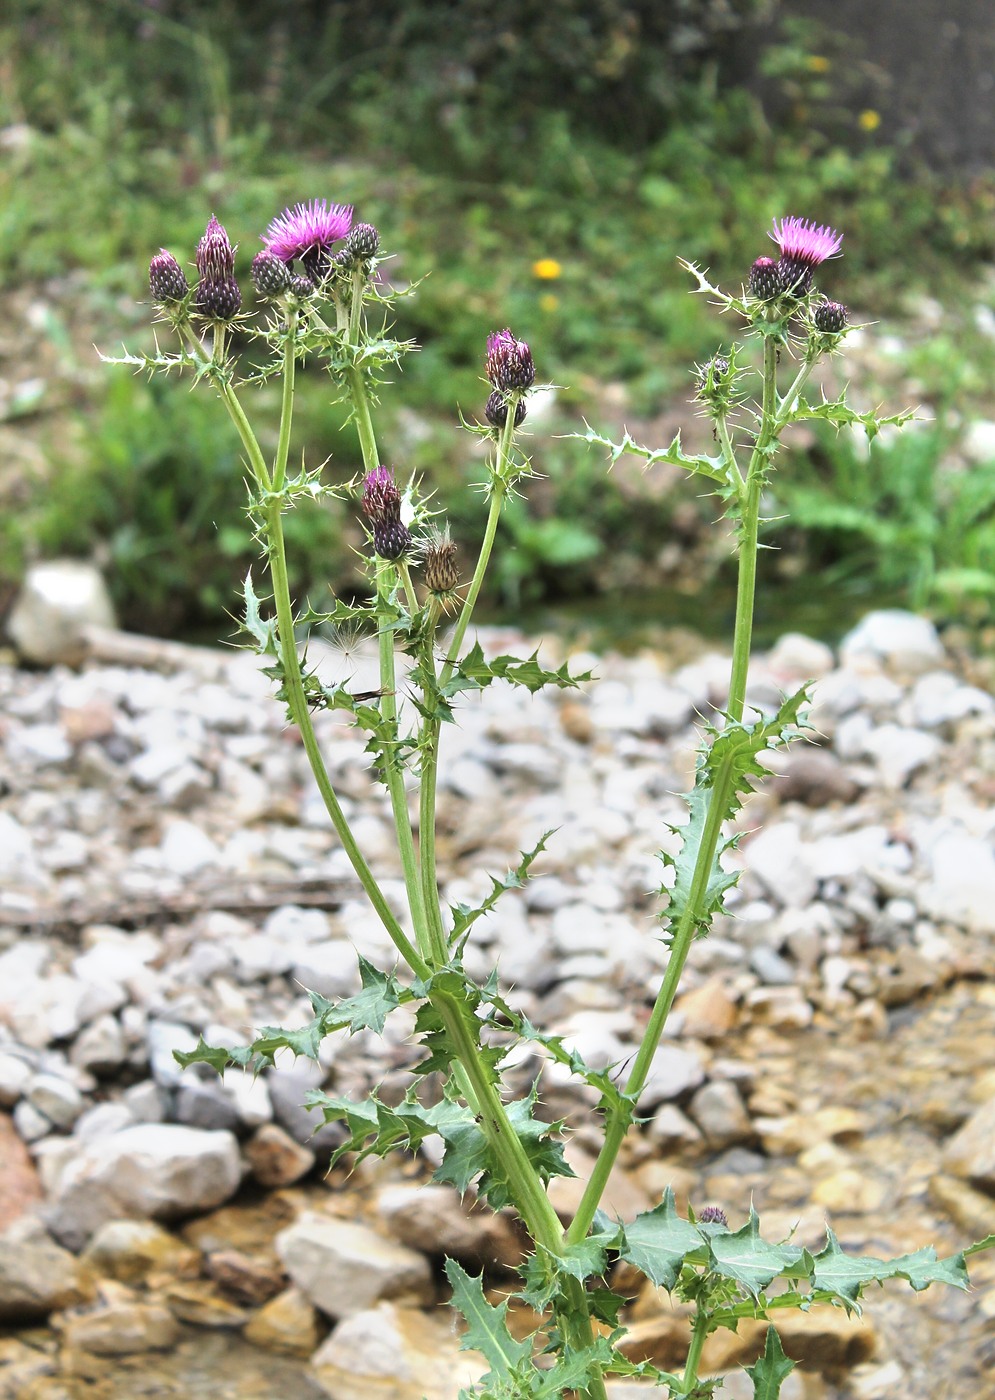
(509, 362)
(218, 296)
(496, 410)
(713, 372)
(363, 241)
(765, 280)
(301, 287)
(713, 1215)
(381, 498)
(391, 539)
(218, 299)
(441, 573)
(270, 275)
(167, 281)
(215, 255)
(830, 317)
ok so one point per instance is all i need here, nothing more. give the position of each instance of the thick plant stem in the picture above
(287, 404)
(617, 1120)
(699, 1335)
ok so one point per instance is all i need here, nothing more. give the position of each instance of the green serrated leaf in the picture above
(674, 455)
(486, 1325)
(771, 1370)
(465, 915)
(263, 633)
(845, 1276)
(472, 672)
(658, 1241)
(217, 1056)
(747, 1259)
(840, 414)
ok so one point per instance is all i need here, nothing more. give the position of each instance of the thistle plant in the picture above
(323, 301)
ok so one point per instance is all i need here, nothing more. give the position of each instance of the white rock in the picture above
(295, 924)
(186, 849)
(100, 1046)
(15, 1072)
(330, 968)
(978, 442)
(60, 1102)
(673, 1071)
(57, 601)
(17, 856)
(962, 887)
(778, 857)
(30, 1122)
(395, 1353)
(898, 752)
(345, 1268)
(940, 698)
(163, 1038)
(795, 657)
(39, 744)
(899, 639)
(161, 1171)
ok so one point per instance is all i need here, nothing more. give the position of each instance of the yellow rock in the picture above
(288, 1323)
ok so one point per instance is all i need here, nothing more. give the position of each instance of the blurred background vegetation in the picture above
(546, 162)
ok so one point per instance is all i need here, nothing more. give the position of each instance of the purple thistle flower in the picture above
(804, 245)
(713, 1215)
(307, 231)
(215, 255)
(391, 539)
(496, 410)
(381, 498)
(167, 281)
(509, 363)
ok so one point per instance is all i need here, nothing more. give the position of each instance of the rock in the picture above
(60, 1101)
(673, 1071)
(287, 1089)
(899, 752)
(123, 1327)
(15, 1071)
(275, 1159)
(972, 1211)
(20, 1187)
(962, 884)
(30, 1122)
(203, 1103)
(246, 1279)
(720, 1114)
(708, 1012)
(288, 1323)
(161, 1171)
(825, 1339)
(814, 776)
(344, 1268)
(163, 1037)
(100, 1046)
(970, 1153)
(395, 1353)
(436, 1221)
(904, 642)
(784, 1008)
(940, 698)
(795, 658)
(777, 857)
(202, 1305)
(672, 1130)
(186, 849)
(36, 1276)
(57, 602)
(136, 1251)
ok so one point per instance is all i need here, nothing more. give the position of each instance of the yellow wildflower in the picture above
(818, 63)
(869, 120)
(547, 302)
(546, 269)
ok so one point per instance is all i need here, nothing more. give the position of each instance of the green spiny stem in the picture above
(221, 382)
(364, 420)
(297, 702)
(698, 1337)
(617, 1122)
(287, 405)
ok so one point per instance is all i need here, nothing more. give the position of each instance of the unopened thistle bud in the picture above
(712, 374)
(509, 363)
(301, 287)
(362, 242)
(713, 1215)
(381, 498)
(441, 573)
(830, 317)
(270, 275)
(218, 295)
(391, 539)
(496, 410)
(765, 280)
(167, 281)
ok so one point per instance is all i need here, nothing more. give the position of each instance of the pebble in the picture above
(345, 1268)
(57, 601)
(396, 1352)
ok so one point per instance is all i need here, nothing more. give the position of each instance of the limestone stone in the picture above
(972, 1210)
(244, 1277)
(437, 1221)
(903, 641)
(121, 1328)
(133, 1251)
(674, 1070)
(275, 1159)
(160, 1171)
(288, 1323)
(344, 1268)
(970, 1153)
(720, 1113)
(57, 602)
(395, 1353)
(708, 1012)
(36, 1275)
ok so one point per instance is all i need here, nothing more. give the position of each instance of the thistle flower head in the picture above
(381, 498)
(391, 539)
(441, 573)
(713, 1215)
(270, 275)
(363, 241)
(167, 281)
(496, 410)
(307, 231)
(765, 279)
(804, 245)
(830, 317)
(215, 254)
(806, 242)
(509, 362)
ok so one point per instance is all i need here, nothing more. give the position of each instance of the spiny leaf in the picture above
(773, 1367)
(465, 915)
(263, 633)
(674, 455)
(748, 1260)
(486, 1325)
(839, 412)
(658, 1241)
(472, 672)
(845, 1276)
(217, 1056)
(725, 772)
